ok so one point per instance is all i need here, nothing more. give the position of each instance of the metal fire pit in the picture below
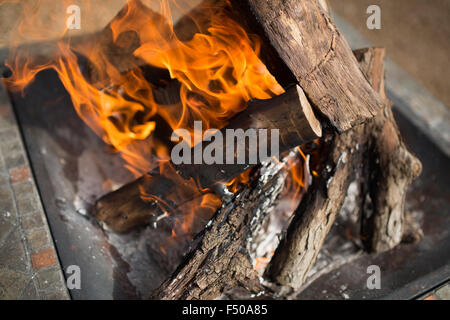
(70, 163)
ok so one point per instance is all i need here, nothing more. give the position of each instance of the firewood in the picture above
(298, 251)
(392, 169)
(290, 113)
(313, 220)
(377, 147)
(220, 260)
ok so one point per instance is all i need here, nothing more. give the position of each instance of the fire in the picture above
(261, 263)
(234, 184)
(218, 68)
(298, 172)
(215, 62)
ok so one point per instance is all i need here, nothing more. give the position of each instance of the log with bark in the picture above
(315, 54)
(221, 259)
(376, 149)
(391, 169)
(290, 114)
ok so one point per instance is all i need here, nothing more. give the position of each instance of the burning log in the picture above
(289, 113)
(119, 52)
(376, 147)
(221, 259)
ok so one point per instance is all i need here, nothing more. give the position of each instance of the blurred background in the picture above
(416, 34)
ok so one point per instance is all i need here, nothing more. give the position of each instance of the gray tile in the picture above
(5, 190)
(14, 161)
(37, 239)
(12, 134)
(48, 279)
(443, 293)
(7, 119)
(11, 146)
(12, 283)
(32, 221)
(13, 254)
(4, 177)
(7, 205)
(3, 169)
(7, 208)
(24, 190)
(30, 292)
(8, 221)
(25, 206)
(57, 295)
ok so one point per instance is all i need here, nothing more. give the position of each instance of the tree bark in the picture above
(298, 251)
(303, 36)
(220, 260)
(392, 169)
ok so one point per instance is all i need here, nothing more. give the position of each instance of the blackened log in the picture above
(313, 220)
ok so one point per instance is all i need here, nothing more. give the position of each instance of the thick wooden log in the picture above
(313, 220)
(303, 36)
(221, 260)
(392, 168)
(378, 148)
(290, 114)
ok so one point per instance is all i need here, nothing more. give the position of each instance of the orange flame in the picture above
(262, 262)
(244, 178)
(219, 71)
(217, 67)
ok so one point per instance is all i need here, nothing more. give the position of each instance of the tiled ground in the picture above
(29, 268)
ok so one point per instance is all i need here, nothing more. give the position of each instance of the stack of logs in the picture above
(332, 93)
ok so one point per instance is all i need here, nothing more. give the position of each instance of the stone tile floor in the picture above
(29, 267)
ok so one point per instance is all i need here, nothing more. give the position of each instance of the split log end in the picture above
(311, 128)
